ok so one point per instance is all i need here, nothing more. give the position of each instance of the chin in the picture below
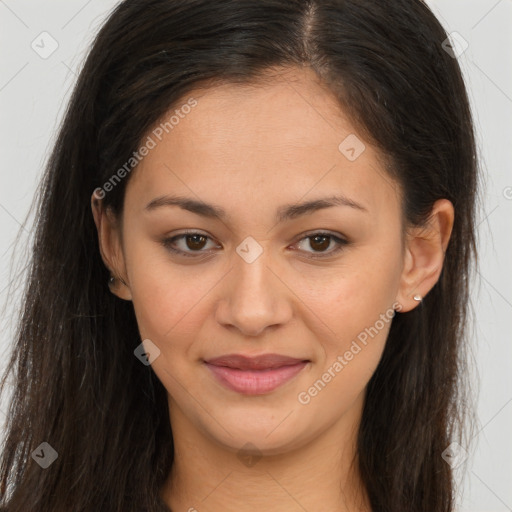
(265, 435)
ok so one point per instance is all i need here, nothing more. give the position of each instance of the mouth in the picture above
(254, 375)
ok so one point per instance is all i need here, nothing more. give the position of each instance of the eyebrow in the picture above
(285, 212)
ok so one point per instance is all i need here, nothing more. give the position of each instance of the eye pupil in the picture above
(322, 245)
(195, 244)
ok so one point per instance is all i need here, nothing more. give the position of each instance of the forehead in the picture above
(291, 111)
(262, 142)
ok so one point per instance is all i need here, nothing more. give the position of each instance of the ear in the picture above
(109, 238)
(425, 247)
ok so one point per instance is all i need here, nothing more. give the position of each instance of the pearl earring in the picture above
(418, 298)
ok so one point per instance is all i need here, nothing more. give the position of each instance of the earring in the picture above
(112, 280)
(418, 298)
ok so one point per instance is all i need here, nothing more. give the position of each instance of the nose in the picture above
(255, 297)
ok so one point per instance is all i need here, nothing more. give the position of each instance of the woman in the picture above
(249, 281)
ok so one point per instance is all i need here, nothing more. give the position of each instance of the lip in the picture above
(254, 375)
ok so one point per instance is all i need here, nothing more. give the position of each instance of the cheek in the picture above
(358, 313)
(354, 311)
(354, 293)
(167, 305)
(165, 296)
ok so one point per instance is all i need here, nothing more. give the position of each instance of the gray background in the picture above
(34, 92)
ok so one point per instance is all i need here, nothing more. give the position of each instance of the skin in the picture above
(251, 150)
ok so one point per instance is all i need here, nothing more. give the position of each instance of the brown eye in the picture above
(187, 244)
(195, 242)
(320, 242)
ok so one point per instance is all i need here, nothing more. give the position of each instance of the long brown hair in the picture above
(73, 349)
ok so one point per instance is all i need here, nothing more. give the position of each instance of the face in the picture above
(265, 276)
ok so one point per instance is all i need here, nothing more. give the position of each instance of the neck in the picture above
(321, 475)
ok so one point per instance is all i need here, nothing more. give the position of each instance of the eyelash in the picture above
(340, 241)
